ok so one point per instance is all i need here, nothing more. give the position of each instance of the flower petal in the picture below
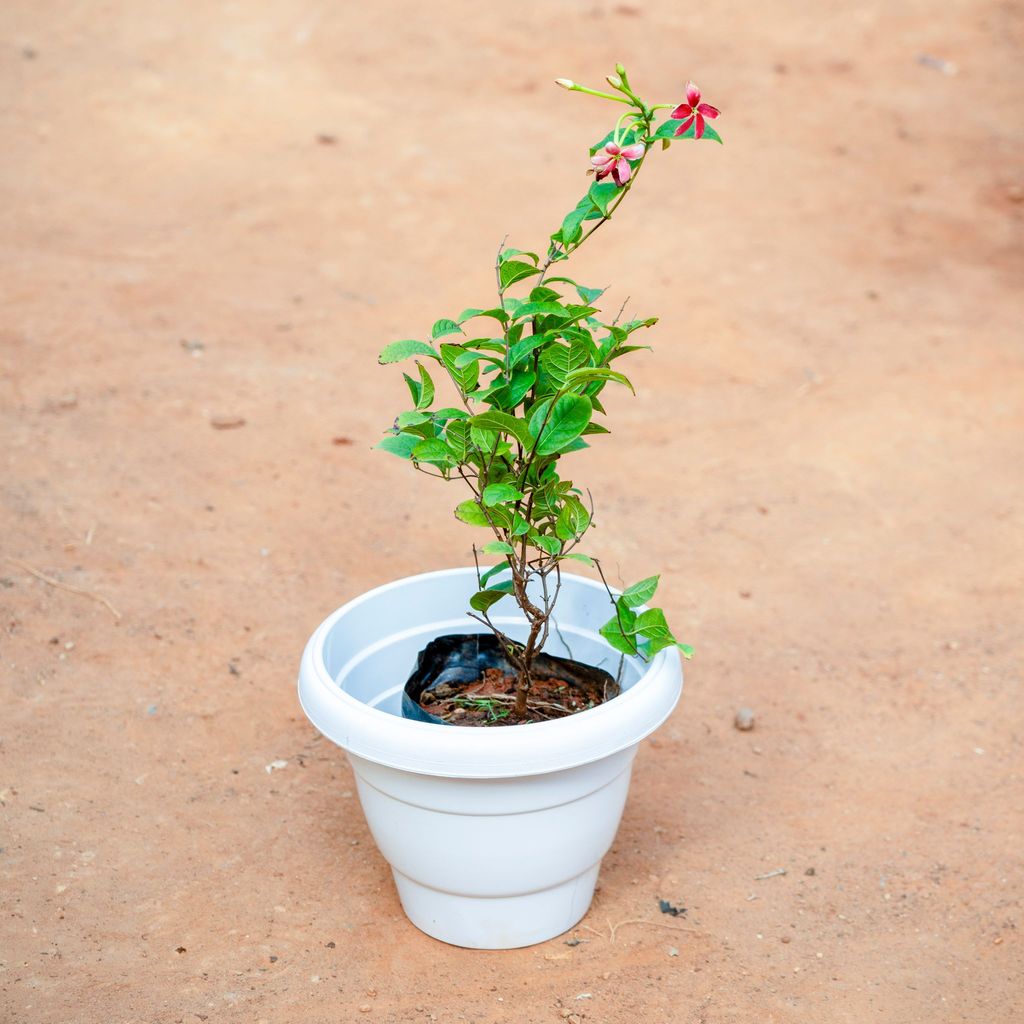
(708, 111)
(633, 152)
(692, 94)
(604, 171)
(699, 130)
(683, 110)
(621, 172)
(685, 125)
(601, 159)
(612, 148)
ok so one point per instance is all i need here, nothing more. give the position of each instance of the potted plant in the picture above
(491, 714)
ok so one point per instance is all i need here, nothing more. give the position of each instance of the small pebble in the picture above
(365, 1008)
(744, 720)
(227, 422)
(810, 871)
(787, 938)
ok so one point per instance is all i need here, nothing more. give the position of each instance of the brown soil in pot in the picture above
(490, 700)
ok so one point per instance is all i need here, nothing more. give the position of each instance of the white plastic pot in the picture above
(495, 835)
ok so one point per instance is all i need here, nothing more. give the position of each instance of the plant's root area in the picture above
(491, 700)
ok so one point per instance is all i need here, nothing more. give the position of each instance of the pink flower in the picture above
(693, 110)
(614, 160)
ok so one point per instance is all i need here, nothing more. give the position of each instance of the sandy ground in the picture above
(824, 461)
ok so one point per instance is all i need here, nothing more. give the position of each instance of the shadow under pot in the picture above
(468, 679)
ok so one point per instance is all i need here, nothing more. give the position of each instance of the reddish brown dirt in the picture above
(216, 213)
(549, 698)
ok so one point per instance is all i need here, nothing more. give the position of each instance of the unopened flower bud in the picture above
(614, 81)
(565, 83)
(620, 70)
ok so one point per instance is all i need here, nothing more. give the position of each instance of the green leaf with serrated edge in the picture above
(640, 593)
(498, 547)
(551, 545)
(580, 557)
(515, 270)
(507, 254)
(470, 512)
(483, 599)
(497, 494)
(412, 419)
(465, 377)
(601, 194)
(426, 388)
(505, 424)
(591, 373)
(399, 444)
(443, 327)
(433, 451)
(558, 425)
(399, 350)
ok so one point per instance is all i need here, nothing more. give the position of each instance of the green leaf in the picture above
(470, 512)
(560, 360)
(399, 350)
(399, 444)
(497, 547)
(580, 557)
(515, 270)
(483, 599)
(589, 294)
(558, 425)
(450, 414)
(465, 377)
(433, 451)
(426, 388)
(507, 254)
(548, 308)
(469, 356)
(544, 294)
(496, 570)
(686, 649)
(497, 313)
(521, 349)
(601, 193)
(497, 494)
(443, 327)
(519, 525)
(667, 130)
(412, 419)
(572, 224)
(552, 545)
(652, 625)
(522, 381)
(573, 520)
(593, 427)
(591, 373)
(457, 437)
(640, 593)
(505, 424)
(612, 632)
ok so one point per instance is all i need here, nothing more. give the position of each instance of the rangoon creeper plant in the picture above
(529, 390)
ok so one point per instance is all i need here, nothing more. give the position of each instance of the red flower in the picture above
(614, 160)
(693, 110)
